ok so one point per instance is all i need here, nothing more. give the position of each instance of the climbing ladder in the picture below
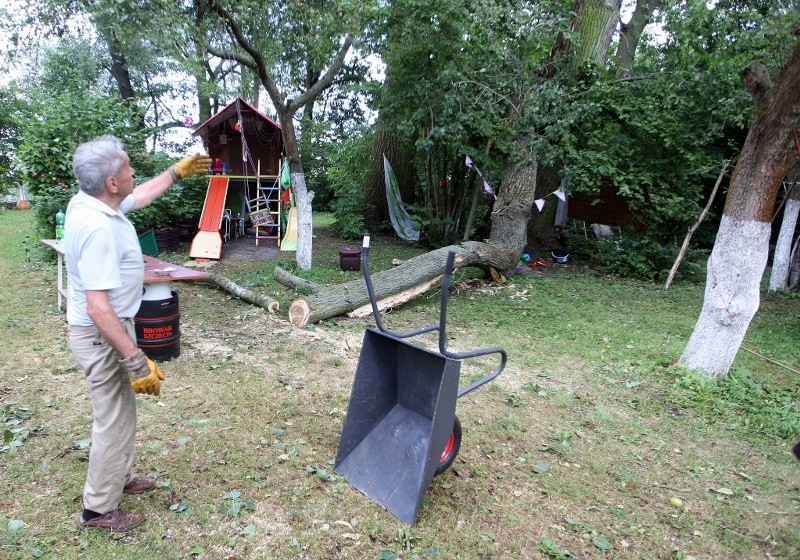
(265, 210)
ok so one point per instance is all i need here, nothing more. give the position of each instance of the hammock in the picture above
(405, 226)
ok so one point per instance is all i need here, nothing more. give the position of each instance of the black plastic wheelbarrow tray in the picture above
(401, 427)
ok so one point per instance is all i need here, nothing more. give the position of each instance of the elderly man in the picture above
(106, 271)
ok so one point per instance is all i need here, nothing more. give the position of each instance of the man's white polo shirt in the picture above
(103, 253)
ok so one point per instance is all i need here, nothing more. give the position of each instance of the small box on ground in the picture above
(350, 258)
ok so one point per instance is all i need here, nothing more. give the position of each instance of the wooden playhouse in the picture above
(244, 193)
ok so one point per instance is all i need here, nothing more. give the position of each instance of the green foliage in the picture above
(10, 128)
(651, 140)
(456, 71)
(73, 65)
(51, 131)
(44, 157)
(742, 399)
(638, 257)
(347, 175)
(184, 199)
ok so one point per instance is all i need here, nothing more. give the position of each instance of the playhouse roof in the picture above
(232, 110)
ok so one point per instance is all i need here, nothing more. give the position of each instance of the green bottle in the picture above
(60, 225)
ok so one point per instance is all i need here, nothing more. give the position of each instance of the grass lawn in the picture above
(589, 445)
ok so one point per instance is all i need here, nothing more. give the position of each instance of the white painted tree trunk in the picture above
(735, 269)
(781, 260)
(302, 200)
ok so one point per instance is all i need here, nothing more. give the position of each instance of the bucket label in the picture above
(157, 333)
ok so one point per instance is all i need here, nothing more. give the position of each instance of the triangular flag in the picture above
(560, 194)
(488, 189)
(539, 204)
(469, 161)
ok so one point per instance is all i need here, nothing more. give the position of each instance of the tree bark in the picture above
(290, 280)
(630, 32)
(512, 209)
(261, 300)
(376, 209)
(781, 259)
(595, 23)
(737, 262)
(121, 74)
(330, 301)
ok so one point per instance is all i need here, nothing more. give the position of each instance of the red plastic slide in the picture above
(207, 243)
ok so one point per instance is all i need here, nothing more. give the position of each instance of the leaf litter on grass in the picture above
(258, 403)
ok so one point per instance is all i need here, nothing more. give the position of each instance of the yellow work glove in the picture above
(196, 164)
(145, 375)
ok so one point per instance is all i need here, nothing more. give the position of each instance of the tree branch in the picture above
(249, 296)
(256, 59)
(756, 79)
(232, 55)
(292, 105)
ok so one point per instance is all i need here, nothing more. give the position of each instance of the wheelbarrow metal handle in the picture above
(485, 380)
(374, 302)
(448, 273)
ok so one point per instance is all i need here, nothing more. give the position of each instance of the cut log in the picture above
(290, 280)
(331, 301)
(260, 300)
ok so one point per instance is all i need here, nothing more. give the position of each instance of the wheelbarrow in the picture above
(401, 427)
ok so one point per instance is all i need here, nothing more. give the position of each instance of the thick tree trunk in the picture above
(302, 196)
(330, 301)
(731, 297)
(305, 230)
(509, 223)
(376, 209)
(739, 257)
(781, 259)
(512, 209)
(595, 23)
(630, 32)
(119, 67)
(121, 74)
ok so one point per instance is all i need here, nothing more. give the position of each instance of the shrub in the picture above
(641, 258)
(347, 177)
(53, 129)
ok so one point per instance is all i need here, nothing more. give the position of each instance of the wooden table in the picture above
(58, 247)
(155, 270)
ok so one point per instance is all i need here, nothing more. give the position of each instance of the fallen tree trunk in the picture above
(395, 299)
(261, 300)
(290, 280)
(330, 301)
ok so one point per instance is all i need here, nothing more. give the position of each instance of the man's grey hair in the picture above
(95, 161)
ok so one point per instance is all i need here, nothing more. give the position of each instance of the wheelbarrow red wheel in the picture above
(450, 449)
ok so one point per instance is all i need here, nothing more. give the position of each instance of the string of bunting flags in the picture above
(559, 192)
(487, 188)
